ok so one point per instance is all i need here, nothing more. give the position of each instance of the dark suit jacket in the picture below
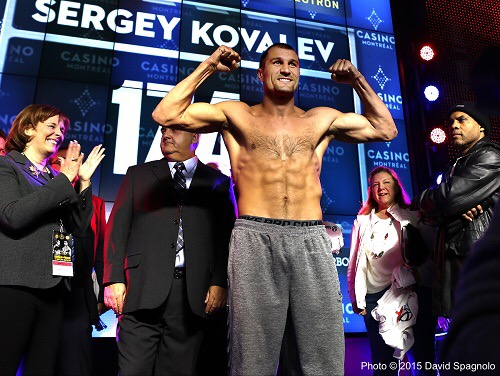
(30, 209)
(142, 232)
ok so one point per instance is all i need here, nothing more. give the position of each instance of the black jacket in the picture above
(472, 179)
(143, 228)
(471, 338)
(31, 207)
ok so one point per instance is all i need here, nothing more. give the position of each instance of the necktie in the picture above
(180, 188)
(180, 182)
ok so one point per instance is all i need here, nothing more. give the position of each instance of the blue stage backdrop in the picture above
(107, 63)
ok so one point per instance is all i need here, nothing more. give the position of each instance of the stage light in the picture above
(439, 179)
(431, 93)
(438, 135)
(427, 53)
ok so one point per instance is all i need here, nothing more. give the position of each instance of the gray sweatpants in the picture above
(273, 269)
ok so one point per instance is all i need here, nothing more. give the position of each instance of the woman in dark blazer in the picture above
(36, 204)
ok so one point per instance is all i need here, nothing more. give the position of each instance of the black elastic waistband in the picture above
(282, 222)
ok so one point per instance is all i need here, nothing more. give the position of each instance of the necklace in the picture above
(35, 171)
(374, 253)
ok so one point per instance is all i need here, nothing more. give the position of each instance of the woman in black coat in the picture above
(37, 208)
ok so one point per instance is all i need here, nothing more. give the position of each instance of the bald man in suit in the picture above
(162, 289)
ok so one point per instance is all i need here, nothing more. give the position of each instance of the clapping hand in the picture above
(72, 162)
(88, 168)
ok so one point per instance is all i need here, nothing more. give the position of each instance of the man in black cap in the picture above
(472, 180)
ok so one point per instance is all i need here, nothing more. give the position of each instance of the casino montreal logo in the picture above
(381, 77)
(84, 102)
(374, 19)
(89, 59)
(392, 101)
(374, 39)
(393, 156)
